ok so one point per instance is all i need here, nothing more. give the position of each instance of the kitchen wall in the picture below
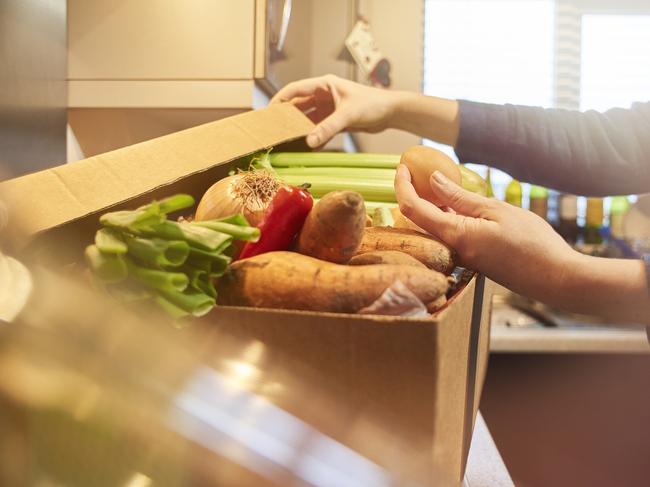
(398, 28)
(32, 85)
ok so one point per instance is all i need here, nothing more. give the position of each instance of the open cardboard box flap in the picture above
(43, 200)
(416, 380)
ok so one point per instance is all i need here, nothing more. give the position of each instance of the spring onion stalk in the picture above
(110, 268)
(158, 252)
(201, 237)
(333, 159)
(246, 234)
(368, 174)
(159, 280)
(237, 219)
(171, 309)
(212, 262)
(108, 241)
(132, 220)
(175, 203)
(195, 303)
(321, 185)
(201, 282)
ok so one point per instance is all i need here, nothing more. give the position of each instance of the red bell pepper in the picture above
(282, 221)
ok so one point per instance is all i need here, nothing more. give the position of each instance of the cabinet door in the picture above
(160, 39)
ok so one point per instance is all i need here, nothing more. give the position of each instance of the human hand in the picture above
(512, 246)
(336, 104)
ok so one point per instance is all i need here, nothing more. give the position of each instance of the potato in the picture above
(288, 280)
(334, 228)
(425, 248)
(422, 162)
(393, 257)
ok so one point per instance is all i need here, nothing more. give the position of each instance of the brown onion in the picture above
(248, 193)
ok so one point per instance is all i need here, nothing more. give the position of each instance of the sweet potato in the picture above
(334, 228)
(288, 280)
(393, 257)
(431, 252)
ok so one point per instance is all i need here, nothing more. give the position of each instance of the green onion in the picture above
(158, 252)
(201, 281)
(175, 203)
(212, 262)
(333, 159)
(109, 241)
(195, 303)
(133, 220)
(110, 268)
(159, 280)
(246, 233)
(201, 237)
(171, 309)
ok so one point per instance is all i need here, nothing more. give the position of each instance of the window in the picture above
(570, 54)
(497, 51)
(615, 61)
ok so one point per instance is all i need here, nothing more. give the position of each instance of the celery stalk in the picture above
(336, 159)
(369, 174)
(321, 185)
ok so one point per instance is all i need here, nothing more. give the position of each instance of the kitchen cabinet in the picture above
(160, 39)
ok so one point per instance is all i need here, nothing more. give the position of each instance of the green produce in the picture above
(141, 254)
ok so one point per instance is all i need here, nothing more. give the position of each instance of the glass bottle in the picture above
(619, 207)
(513, 193)
(594, 221)
(568, 218)
(539, 201)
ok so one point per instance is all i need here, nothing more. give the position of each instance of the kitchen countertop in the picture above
(485, 467)
(539, 339)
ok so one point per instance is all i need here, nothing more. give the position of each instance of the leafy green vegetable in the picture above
(110, 268)
(109, 242)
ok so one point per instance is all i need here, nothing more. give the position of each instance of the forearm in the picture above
(615, 289)
(427, 116)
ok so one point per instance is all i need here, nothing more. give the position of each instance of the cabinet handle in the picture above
(284, 25)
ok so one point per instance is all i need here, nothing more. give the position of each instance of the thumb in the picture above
(459, 199)
(328, 128)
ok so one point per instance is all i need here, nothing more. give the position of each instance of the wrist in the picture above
(398, 103)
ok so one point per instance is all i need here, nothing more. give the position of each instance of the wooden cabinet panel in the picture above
(160, 39)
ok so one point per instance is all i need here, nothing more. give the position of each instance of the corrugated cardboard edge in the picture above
(47, 199)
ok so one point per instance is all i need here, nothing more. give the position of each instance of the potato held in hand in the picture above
(287, 280)
(422, 162)
(334, 228)
(431, 252)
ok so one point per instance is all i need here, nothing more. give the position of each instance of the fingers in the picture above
(459, 199)
(328, 128)
(425, 214)
(302, 88)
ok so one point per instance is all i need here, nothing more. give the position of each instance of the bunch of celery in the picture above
(172, 263)
(372, 175)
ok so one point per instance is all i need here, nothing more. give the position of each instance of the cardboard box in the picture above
(406, 391)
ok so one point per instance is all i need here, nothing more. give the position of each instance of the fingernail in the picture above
(312, 140)
(403, 172)
(440, 178)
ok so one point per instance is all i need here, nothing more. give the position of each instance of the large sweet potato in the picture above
(288, 280)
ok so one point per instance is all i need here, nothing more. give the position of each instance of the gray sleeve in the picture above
(590, 153)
